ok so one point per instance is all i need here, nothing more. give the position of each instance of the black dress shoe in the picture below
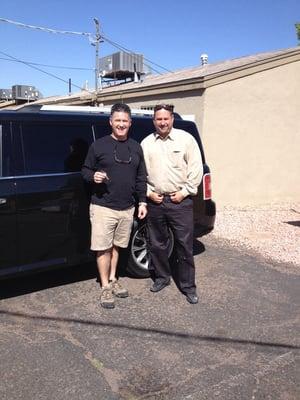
(192, 298)
(159, 285)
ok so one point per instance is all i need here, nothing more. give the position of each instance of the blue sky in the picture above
(171, 33)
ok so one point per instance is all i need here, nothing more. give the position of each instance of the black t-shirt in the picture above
(123, 161)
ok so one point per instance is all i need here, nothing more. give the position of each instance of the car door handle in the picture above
(2, 201)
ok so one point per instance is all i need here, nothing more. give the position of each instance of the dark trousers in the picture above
(179, 218)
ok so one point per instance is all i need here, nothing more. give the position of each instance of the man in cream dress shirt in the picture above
(174, 172)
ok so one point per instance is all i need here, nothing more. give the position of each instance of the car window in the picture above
(141, 128)
(54, 148)
(1, 154)
(5, 152)
(102, 128)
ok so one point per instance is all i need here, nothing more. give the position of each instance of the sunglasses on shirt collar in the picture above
(119, 159)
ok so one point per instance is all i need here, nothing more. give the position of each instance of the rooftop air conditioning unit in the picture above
(25, 92)
(5, 94)
(121, 65)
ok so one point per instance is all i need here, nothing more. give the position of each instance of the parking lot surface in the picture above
(240, 342)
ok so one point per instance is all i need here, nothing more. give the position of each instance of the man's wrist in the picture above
(184, 192)
(142, 203)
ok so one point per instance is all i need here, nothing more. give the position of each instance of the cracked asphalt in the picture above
(240, 342)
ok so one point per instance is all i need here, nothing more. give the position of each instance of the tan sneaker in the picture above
(117, 289)
(107, 297)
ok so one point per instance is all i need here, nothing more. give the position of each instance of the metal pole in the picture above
(98, 37)
(297, 26)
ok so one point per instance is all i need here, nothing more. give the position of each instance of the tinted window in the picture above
(139, 129)
(102, 128)
(54, 148)
(5, 152)
(143, 126)
(1, 155)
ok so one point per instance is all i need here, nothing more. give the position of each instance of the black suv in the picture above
(44, 220)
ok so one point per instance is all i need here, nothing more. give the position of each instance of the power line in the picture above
(39, 69)
(49, 66)
(127, 51)
(45, 29)
(120, 47)
(88, 34)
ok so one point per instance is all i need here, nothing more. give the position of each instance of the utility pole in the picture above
(297, 26)
(97, 41)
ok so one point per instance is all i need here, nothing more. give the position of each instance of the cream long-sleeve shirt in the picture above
(173, 163)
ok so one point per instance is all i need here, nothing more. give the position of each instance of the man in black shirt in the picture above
(116, 169)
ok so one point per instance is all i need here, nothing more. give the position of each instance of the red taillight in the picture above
(206, 187)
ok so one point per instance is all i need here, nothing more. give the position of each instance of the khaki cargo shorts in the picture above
(110, 227)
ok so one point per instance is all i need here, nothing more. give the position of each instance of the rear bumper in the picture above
(204, 220)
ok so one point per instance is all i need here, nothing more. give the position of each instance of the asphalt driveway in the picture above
(240, 342)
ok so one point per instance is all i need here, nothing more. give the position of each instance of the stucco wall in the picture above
(250, 128)
(251, 133)
(185, 102)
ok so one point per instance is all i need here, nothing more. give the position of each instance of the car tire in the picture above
(138, 260)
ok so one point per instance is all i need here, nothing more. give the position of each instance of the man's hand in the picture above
(156, 198)
(142, 211)
(176, 197)
(100, 177)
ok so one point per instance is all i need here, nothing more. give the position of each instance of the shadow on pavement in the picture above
(46, 279)
(294, 223)
(169, 335)
(37, 281)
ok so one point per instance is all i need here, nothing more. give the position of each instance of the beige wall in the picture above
(251, 134)
(186, 102)
(250, 128)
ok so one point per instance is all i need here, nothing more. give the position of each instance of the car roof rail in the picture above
(90, 109)
(84, 109)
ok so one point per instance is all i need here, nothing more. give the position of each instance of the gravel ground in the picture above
(271, 230)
